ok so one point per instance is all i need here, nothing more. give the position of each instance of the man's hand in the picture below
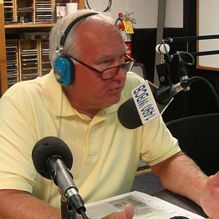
(127, 213)
(210, 197)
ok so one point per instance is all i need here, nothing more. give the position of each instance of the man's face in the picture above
(101, 49)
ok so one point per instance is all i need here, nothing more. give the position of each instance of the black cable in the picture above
(184, 56)
(83, 214)
(106, 9)
(189, 81)
(196, 78)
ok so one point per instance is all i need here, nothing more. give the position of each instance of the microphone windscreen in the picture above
(47, 148)
(128, 115)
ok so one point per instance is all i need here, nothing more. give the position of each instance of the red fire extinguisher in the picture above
(124, 24)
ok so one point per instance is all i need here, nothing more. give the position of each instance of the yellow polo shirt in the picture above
(105, 154)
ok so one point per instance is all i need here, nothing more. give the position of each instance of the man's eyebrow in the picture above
(101, 58)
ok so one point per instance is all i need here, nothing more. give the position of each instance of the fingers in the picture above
(217, 175)
(127, 213)
(214, 179)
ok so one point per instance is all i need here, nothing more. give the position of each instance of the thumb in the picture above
(127, 213)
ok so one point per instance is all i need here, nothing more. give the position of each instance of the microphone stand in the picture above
(189, 38)
(167, 90)
(202, 53)
(66, 212)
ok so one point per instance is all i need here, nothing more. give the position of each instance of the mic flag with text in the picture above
(140, 109)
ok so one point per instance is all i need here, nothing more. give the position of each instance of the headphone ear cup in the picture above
(64, 70)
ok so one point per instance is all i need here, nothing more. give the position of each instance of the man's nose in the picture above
(120, 74)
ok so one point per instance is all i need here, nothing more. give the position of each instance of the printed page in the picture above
(145, 206)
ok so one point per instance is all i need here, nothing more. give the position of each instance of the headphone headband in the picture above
(70, 26)
(64, 68)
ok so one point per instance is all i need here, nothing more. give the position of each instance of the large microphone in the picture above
(52, 159)
(164, 94)
(128, 115)
(137, 111)
(140, 109)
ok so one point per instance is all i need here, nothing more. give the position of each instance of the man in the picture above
(88, 57)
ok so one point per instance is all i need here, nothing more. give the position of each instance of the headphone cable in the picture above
(60, 114)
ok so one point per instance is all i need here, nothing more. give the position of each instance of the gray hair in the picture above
(71, 43)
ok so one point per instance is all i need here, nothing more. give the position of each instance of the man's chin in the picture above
(113, 101)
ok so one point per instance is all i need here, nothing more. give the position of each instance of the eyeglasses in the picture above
(111, 72)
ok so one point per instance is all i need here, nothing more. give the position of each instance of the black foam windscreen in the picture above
(47, 148)
(128, 115)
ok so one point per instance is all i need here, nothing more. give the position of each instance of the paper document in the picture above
(145, 206)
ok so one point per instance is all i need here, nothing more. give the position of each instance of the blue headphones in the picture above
(64, 67)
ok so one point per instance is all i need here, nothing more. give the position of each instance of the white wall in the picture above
(208, 24)
(145, 11)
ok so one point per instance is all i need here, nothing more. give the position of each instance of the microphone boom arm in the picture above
(190, 38)
(164, 94)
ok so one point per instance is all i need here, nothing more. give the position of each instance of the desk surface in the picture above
(150, 184)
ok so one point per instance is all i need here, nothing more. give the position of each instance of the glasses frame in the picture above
(124, 65)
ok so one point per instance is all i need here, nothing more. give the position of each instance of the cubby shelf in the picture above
(23, 41)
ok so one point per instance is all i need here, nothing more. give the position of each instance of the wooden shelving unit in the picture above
(18, 17)
(17, 26)
(3, 69)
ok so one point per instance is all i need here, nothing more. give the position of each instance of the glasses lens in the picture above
(112, 72)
